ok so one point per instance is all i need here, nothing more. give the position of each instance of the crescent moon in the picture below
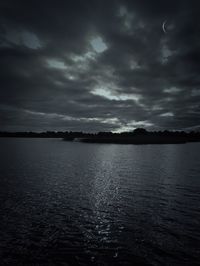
(163, 26)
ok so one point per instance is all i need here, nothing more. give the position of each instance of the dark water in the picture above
(65, 203)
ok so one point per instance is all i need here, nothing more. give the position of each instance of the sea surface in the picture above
(70, 203)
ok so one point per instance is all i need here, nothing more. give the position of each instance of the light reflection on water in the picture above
(98, 204)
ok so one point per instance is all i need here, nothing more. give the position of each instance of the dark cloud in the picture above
(99, 65)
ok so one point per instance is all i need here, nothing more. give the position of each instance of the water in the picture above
(64, 203)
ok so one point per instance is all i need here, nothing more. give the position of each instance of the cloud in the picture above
(97, 65)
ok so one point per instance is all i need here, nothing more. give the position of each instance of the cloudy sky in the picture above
(97, 65)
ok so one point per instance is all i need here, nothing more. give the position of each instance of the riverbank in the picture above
(131, 140)
(138, 136)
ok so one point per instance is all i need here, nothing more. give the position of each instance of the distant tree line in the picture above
(138, 133)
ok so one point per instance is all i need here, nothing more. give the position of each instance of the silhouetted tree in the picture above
(140, 131)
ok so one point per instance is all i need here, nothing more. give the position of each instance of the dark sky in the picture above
(96, 65)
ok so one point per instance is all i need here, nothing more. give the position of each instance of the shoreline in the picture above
(138, 136)
(131, 140)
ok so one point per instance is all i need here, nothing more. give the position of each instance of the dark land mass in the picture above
(138, 136)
